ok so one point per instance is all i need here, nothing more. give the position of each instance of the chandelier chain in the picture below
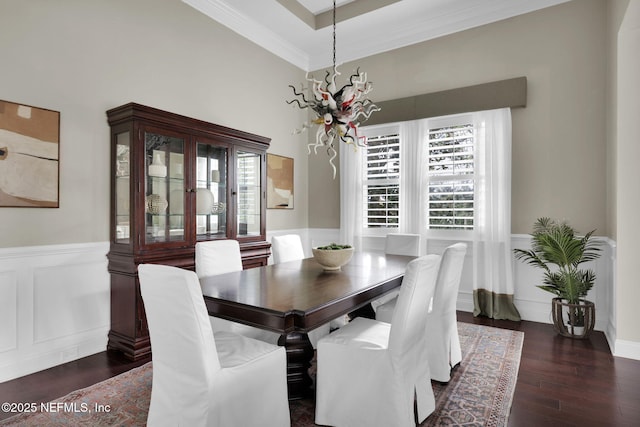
(334, 34)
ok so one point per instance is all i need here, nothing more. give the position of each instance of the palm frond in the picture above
(555, 244)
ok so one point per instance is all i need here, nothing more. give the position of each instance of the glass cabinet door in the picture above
(122, 189)
(165, 192)
(248, 190)
(211, 191)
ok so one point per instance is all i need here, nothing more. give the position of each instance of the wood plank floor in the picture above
(561, 382)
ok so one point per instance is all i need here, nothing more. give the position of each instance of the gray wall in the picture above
(84, 57)
(559, 139)
(627, 173)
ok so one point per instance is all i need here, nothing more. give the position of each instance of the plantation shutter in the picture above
(381, 187)
(451, 177)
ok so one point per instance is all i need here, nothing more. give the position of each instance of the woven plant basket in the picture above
(566, 318)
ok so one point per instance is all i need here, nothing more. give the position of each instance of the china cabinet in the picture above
(176, 181)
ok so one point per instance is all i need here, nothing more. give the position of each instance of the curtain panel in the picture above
(351, 197)
(493, 272)
(490, 240)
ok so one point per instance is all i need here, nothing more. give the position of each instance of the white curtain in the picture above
(493, 276)
(413, 178)
(490, 240)
(351, 196)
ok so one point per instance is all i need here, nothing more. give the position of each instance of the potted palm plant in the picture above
(557, 250)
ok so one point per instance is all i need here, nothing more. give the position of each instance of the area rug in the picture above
(479, 394)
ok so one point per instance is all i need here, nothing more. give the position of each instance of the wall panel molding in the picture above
(8, 310)
(67, 293)
(58, 305)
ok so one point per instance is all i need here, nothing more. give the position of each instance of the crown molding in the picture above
(426, 23)
(250, 29)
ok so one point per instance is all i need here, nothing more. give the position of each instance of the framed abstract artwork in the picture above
(29, 156)
(279, 182)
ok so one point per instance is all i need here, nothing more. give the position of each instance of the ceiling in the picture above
(300, 31)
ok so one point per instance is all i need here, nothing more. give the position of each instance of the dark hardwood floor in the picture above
(561, 382)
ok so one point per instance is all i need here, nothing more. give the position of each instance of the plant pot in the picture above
(573, 320)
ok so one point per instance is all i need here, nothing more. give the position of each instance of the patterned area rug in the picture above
(479, 393)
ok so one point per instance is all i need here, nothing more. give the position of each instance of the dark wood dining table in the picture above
(293, 298)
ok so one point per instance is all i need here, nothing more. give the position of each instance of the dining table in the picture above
(295, 297)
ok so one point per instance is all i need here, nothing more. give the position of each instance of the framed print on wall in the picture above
(279, 182)
(29, 156)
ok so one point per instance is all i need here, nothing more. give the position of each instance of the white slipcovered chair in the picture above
(223, 256)
(370, 373)
(398, 244)
(402, 244)
(442, 332)
(201, 378)
(217, 257)
(286, 248)
(289, 248)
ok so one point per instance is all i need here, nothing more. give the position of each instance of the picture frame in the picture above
(29, 156)
(279, 182)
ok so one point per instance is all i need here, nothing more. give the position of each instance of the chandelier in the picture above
(338, 113)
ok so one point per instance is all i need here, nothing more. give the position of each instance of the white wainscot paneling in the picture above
(322, 237)
(534, 304)
(69, 300)
(8, 311)
(57, 302)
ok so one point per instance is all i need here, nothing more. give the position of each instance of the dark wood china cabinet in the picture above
(176, 181)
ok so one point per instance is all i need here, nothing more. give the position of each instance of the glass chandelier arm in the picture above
(338, 112)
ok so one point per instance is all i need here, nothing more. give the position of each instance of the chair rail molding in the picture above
(54, 305)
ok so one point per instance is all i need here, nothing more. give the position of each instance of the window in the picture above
(381, 186)
(435, 160)
(446, 178)
(451, 170)
(441, 176)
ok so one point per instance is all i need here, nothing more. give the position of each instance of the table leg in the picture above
(299, 356)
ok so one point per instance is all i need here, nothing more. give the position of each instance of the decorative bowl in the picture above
(155, 204)
(332, 259)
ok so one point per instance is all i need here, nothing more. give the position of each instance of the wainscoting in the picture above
(55, 303)
(534, 304)
(54, 306)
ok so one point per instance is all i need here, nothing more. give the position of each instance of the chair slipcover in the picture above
(398, 244)
(402, 244)
(289, 248)
(223, 256)
(369, 372)
(202, 379)
(286, 248)
(442, 334)
(218, 257)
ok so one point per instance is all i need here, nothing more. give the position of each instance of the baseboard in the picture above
(627, 349)
(49, 359)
